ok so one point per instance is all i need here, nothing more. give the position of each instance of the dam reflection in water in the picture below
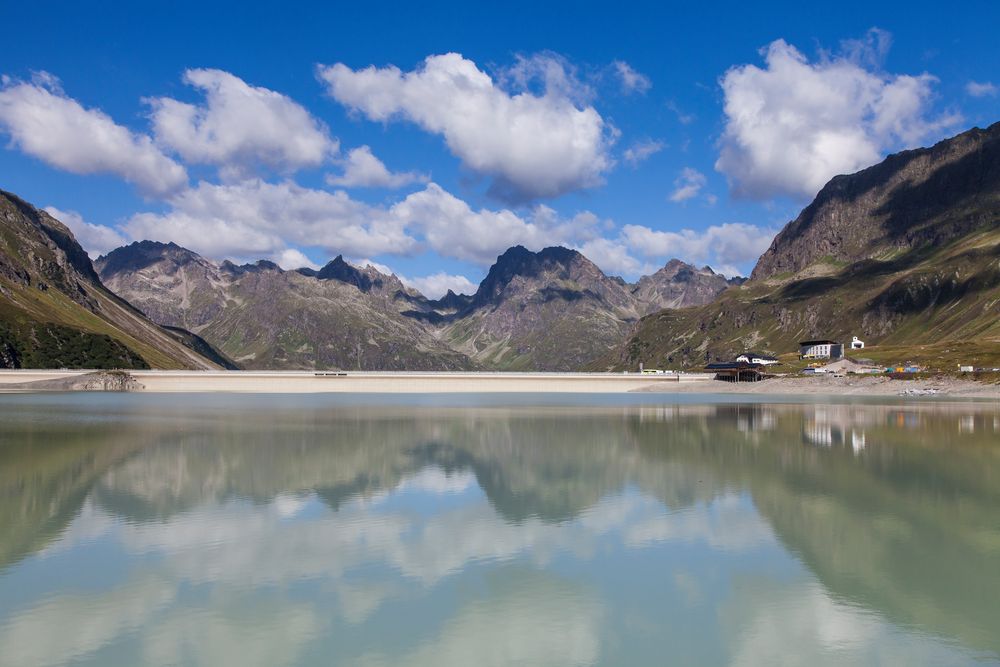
(308, 530)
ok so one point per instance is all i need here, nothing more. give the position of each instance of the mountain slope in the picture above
(54, 311)
(264, 317)
(903, 253)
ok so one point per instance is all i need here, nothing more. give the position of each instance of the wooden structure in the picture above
(738, 371)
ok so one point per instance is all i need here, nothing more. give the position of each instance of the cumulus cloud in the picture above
(642, 150)
(615, 258)
(984, 89)
(45, 123)
(293, 258)
(363, 170)
(95, 239)
(256, 218)
(240, 126)
(437, 284)
(723, 246)
(452, 228)
(687, 185)
(631, 80)
(434, 286)
(794, 124)
(532, 144)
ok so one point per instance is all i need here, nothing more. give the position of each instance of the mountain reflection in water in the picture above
(305, 530)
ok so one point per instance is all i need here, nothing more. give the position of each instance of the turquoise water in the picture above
(325, 530)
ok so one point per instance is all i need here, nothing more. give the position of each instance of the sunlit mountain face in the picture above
(317, 530)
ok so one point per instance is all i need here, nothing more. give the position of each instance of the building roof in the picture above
(818, 342)
(758, 355)
(731, 366)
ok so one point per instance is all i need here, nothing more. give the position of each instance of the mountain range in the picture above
(547, 310)
(904, 254)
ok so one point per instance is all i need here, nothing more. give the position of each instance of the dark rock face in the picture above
(364, 279)
(56, 313)
(914, 198)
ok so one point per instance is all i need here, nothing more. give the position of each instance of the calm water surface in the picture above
(274, 530)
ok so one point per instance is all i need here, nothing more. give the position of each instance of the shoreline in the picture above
(388, 382)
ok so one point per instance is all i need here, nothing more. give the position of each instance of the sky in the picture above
(427, 138)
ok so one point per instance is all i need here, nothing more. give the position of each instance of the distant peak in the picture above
(519, 261)
(140, 254)
(342, 271)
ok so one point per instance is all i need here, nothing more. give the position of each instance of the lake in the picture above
(506, 530)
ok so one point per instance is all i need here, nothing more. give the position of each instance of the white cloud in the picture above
(687, 185)
(381, 268)
(631, 80)
(95, 239)
(642, 150)
(433, 286)
(984, 89)
(792, 125)
(533, 145)
(259, 219)
(45, 123)
(363, 169)
(240, 126)
(614, 258)
(682, 118)
(452, 228)
(722, 246)
(293, 258)
(437, 284)
(255, 218)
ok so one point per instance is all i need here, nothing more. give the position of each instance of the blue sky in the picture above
(429, 137)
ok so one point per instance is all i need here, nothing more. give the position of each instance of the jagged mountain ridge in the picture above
(546, 310)
(56, 313)
(265, 317)
(904, 253)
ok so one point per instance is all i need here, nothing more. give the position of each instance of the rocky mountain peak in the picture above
(364, 279)
(139, 255)
(547, 265)
(677, 285)
(259, 266)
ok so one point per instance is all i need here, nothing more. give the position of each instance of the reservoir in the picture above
(519, 529)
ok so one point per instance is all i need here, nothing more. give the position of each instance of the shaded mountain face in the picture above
(264, 317)
(903, 253)
(547, 310)
(56, 313)
(913, 199)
